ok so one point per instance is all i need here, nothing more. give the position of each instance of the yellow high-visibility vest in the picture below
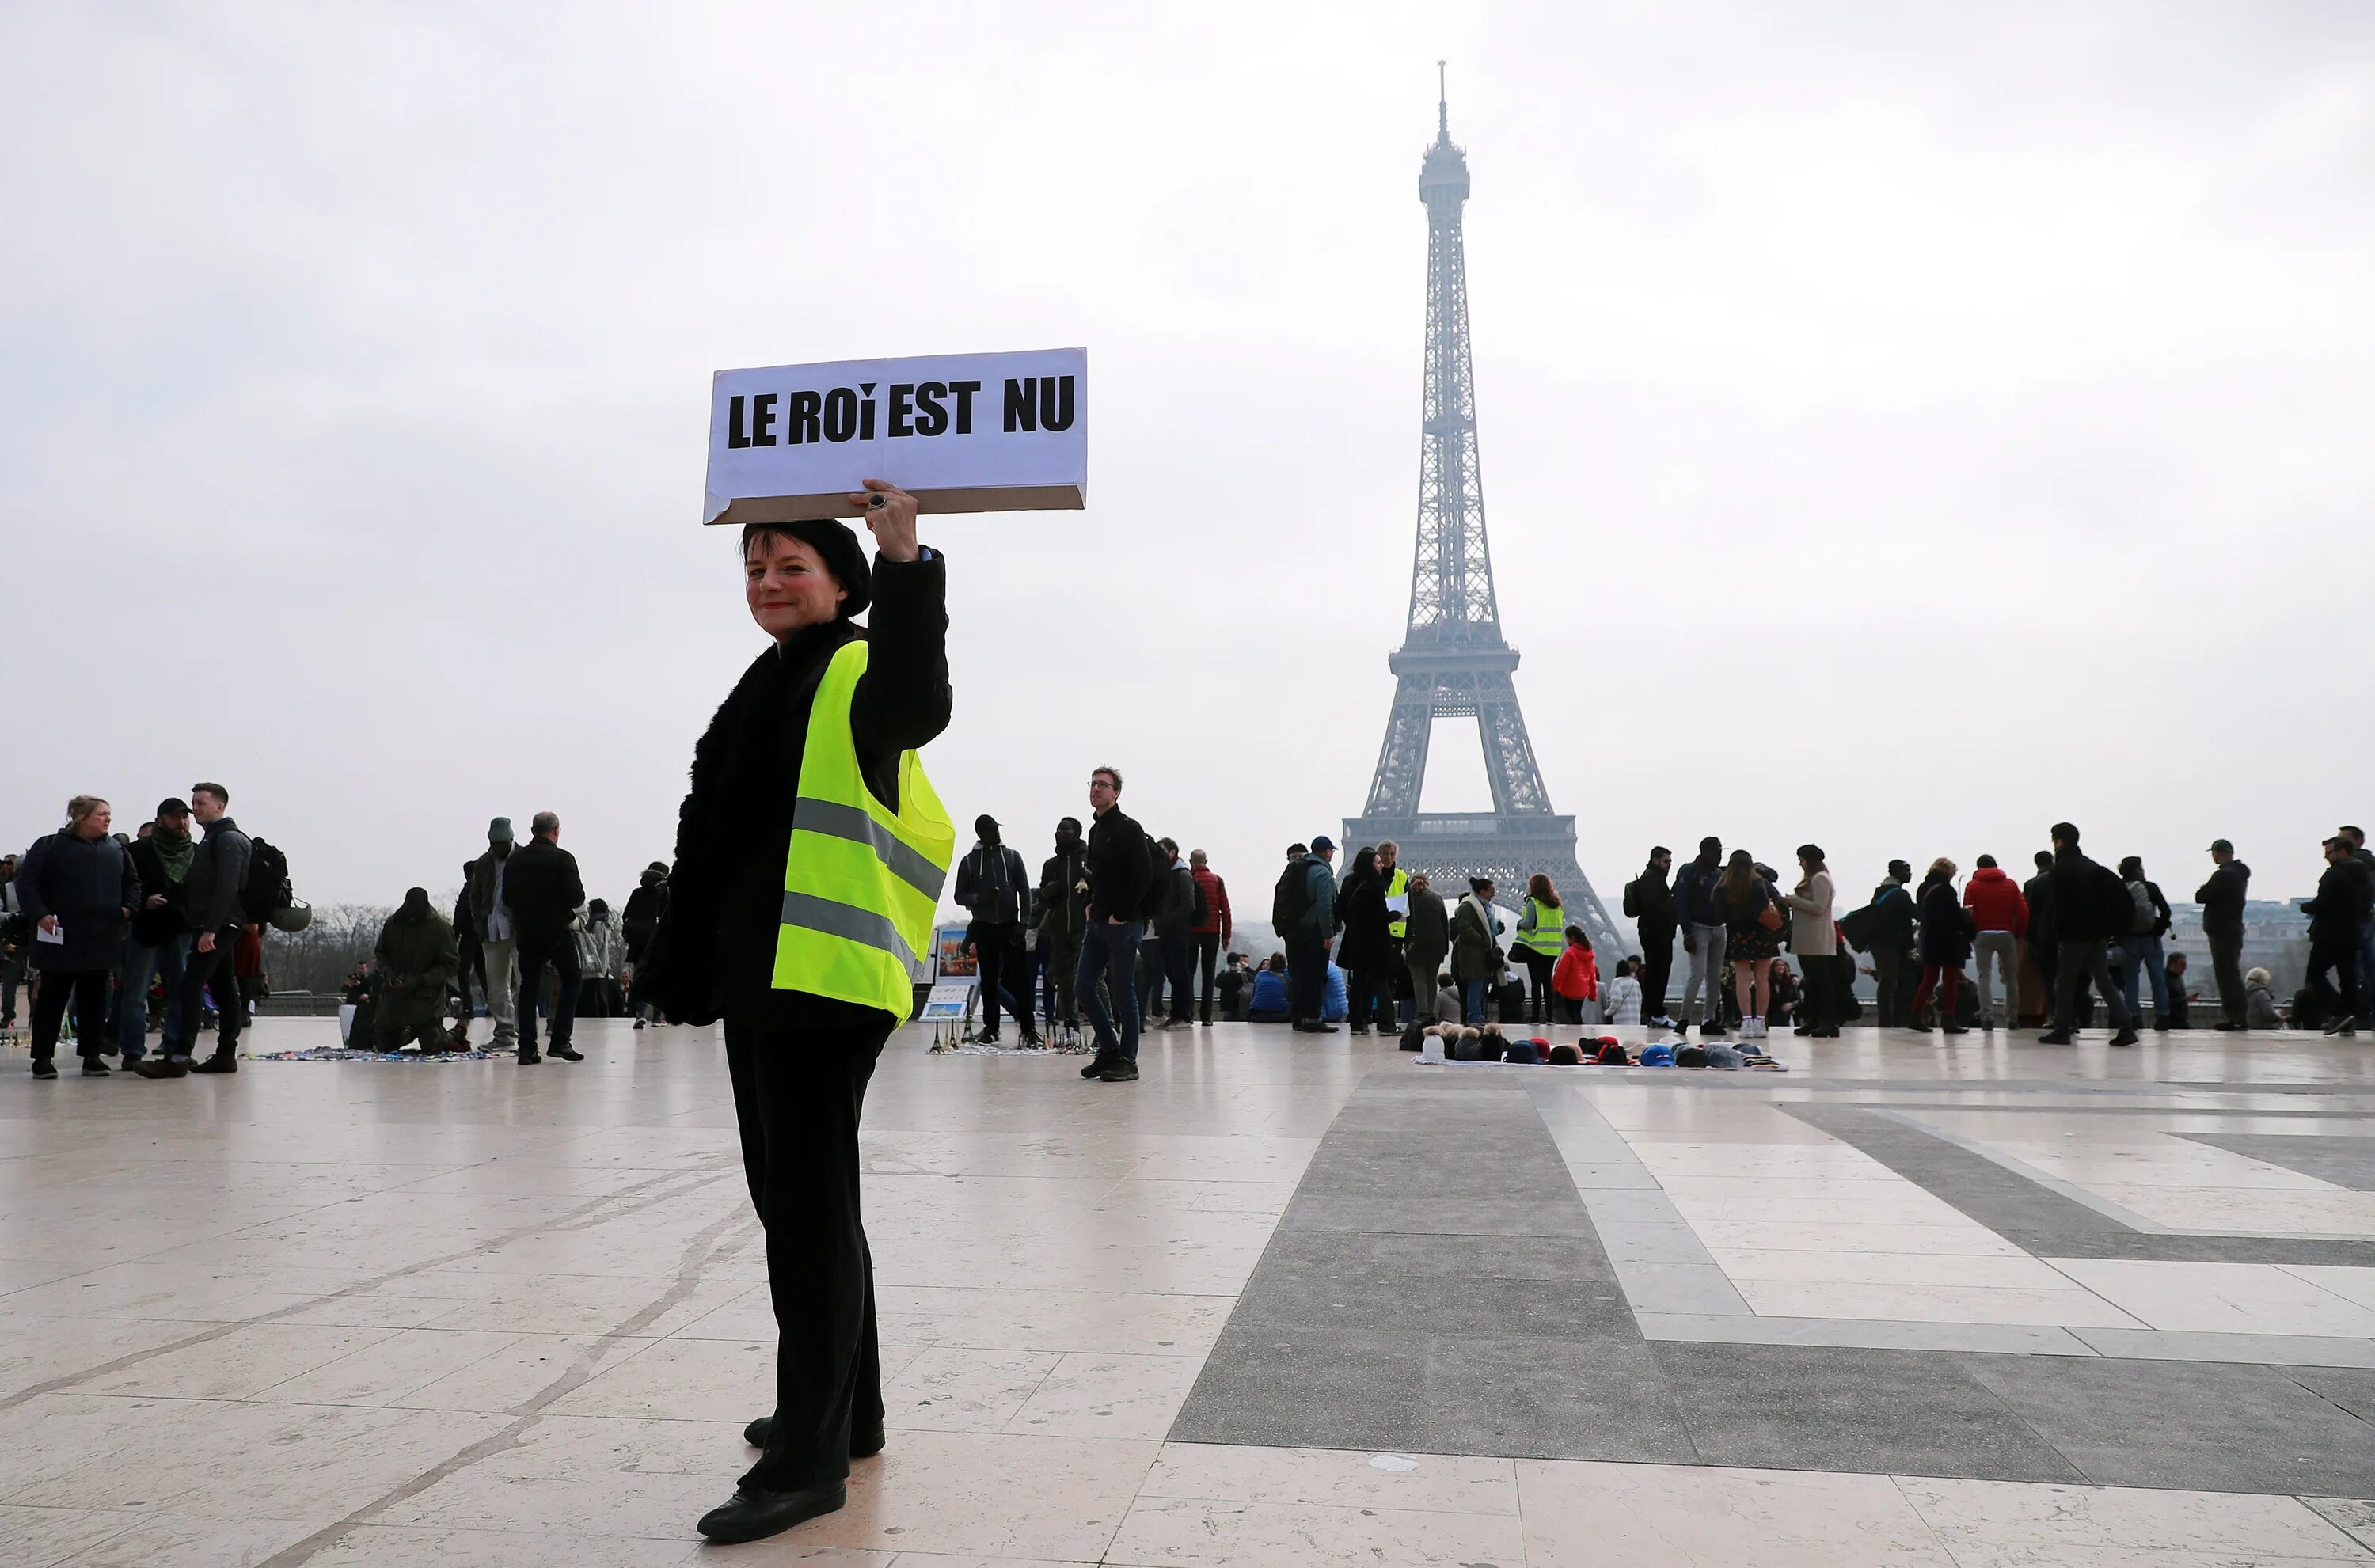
(862, 881)
(1397, 886)
(1549, 935)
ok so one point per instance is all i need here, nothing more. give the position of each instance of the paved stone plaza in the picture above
(1284, 1301)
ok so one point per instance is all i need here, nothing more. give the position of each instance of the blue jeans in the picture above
(1471, 1002)
(132, 1003)
(2138, 956)
(1109, 952)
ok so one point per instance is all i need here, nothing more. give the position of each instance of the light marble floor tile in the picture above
(2235, 1298)
(688, 1380)
(1971, 1516)
(1177, 1532)
(37, 1537)
(1126, 1322)
(418, 1546)
(2354, 1285)
(995, 1494)
(1587, 1515)
(1096, 1395)
(2354, 1516)
(241, 1364)
(190, 1540)
(521, 1371)
(1339, 1478)
(384, 1370)
(949, 1389)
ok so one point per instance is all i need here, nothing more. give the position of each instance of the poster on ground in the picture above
(960, 432)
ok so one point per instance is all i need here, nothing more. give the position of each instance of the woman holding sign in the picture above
(809, 856)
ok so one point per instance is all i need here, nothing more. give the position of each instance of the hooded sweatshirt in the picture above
(415, 947)
(1995, 902)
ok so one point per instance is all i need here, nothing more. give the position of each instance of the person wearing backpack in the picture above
(1172, 917)
(211, 897)
(995, 888)
(1118, 879)
(1304, 913)
(2091, 907)
(2140, 948)
(1651, 905)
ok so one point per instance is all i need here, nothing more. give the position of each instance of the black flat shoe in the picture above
(93, 1068)
(529, 1058)
(751, 1514)
(161, 1066)
(758, 1431)
(45, 1069)
(220, 1062)
(1097, 1065)
(566, 1052)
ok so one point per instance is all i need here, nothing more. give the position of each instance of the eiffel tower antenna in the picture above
(1453, 662)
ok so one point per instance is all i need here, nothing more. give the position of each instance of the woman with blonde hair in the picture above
(1945, 945)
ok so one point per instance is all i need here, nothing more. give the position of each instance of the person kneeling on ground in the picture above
(418, 957)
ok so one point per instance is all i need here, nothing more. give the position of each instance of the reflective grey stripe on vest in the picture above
(846, 920)
(835, 821)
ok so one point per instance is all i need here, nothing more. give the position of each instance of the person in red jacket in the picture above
(1211, 930)
(1575, 980)
(2000, 915)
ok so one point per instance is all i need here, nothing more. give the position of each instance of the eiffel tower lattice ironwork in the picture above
(1453, 661)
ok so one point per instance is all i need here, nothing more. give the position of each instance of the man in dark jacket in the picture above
(1309, 937)
(2090, 909)
(544, 892)
(1118, 870)
(991, 883)
(2043, 945)
(1703, 936)
(2345, 895)
(1651, 905)
(1064, 915)
(160, 940)
(210, 895)
(2221, 899)
(77, 888)
(472, 961)
(1173, 929)
(416, 956)
(490, 923)
(1427, 946)
(2357, 839)
(1895, 918)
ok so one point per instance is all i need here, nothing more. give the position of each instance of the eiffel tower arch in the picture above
(1453, 662)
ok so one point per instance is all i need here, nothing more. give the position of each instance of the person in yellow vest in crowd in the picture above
(809, 857)
(1542, 937)
(1395, 883)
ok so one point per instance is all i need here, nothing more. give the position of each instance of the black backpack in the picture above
(1203, 910)
(2116, 909)
(1157, 897)
(1291, 900)
(266, 891)
(1631, 900)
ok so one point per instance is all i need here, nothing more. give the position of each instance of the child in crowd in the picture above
(1575, 981)
(1620, 997)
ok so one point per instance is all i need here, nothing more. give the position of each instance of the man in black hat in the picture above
(2222, 927)
(990, 882)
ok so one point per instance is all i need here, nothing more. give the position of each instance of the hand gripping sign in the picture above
(960, 432)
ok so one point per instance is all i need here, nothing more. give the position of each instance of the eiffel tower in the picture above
(1453, 662)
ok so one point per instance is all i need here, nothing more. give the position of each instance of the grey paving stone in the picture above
(1680, 1288)
(1300, 1389)
(2187, 1424)
(1446, 1284)
(2257, 1350)
(2352, 1389)
(1335, 1208)
(1652, 1242)
(1805, 1408)
(1872, 1334)
(2344, 1162)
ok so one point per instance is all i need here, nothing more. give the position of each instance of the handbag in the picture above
(1771, 916)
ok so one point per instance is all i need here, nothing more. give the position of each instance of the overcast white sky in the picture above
(1902, 426)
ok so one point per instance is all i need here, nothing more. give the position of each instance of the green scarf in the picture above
(176, 850)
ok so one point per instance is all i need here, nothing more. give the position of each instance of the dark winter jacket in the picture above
(478, 893)
(210, 892)
(417, 949)
(2090, 903)
(1428, 942)
(2340, 908)
(1995, 902)
(1695, 894)
(1945, 931)
(642, 916)
(543, 889)
(1893, 917)
(1360, 904)
(1118, 867)
(714, 951)
(87, 884)
(2038, 891)
(1319, 916)
(2221, 899)
(1175, 907)
(1063, 891)
(154, 927)
(994, 885)
(1476, 952)
(1651, 905)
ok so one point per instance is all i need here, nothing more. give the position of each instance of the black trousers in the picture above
(1370, 996)
(1537, 974)
(1207, 958)
(1819, 1007)
(88, 988)
(1895, 969)
(534, 954)
(1657, 969)
(1306, 977)
(798, 1097)
(2078, 961)
(2226, 966)
(230, 1011)
(2339, 954)
(999, 947)
(1179, 967)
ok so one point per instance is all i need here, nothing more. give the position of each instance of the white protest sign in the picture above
(961, 432)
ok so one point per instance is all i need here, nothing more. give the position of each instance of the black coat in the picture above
(993, 885)
(2340, 908)
(542, 890)
(1118, 867)
(1063, 900)
(87, 884)
(1945, 925)
(1361, 906)
(1427, 939)
(2090, 904)
(156, 926)
(715, 952)
(1895, 917)
(2043, 931)
(1651, 905)
(2221, 899)
(642, 916)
